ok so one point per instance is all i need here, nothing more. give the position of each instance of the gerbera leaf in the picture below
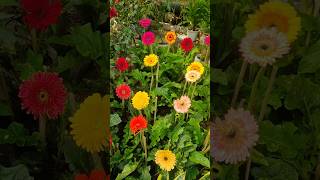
(199, 158)
(115, 119)
(310, 61)
(128, 169)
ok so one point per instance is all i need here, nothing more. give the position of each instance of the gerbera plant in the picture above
(162, 133)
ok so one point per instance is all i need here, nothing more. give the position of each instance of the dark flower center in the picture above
(43, 96)
(264, 47)
(232, 133)
(165, 158)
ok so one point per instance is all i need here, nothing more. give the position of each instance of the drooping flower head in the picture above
(233, 137)
(89, 123)
(140, 100)
(192, 76)
(151, 60)
(43, 95)
(137, 124)
(123, 91)
(148, 38)
(264, 46)
(187, 44)
(207, 40)
(166, 159)
(39, 14)
(113, 12)
(196, 66)
(182, 105)
(122, 64)
(170, 37)
(276, 14)
(145, 22)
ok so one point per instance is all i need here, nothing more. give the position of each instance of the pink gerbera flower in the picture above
(182, 105)
(233, 137)
(123, 91)
(145, 22)
(148, 38)
(207, 40)
(43, 95)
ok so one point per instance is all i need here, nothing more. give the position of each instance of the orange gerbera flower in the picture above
(170, 37)
(137, 124)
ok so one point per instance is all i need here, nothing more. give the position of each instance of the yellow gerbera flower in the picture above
(192, 76)
(150, 60)
(166, 159)
(140, 100)
(89, 124)
(275, 14)
(196, 66)
(170, 37)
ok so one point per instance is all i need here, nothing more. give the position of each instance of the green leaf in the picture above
(115, 119)
(145, 174)
(196, 130)
(128, 169)
(218, 76)
(19, 172)
(199, 158)
(228, 172)
(9, 3)
(5, 110)
(277, 170)
(258, 158)
(67, 62)
(160, 129)
(35, 60)
(310, 61)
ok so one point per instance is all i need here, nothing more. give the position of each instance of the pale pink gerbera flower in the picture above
(233, 137)
(264, 46)
(43, 95)
(182, 105)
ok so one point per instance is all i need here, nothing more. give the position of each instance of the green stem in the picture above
(255, 88)
(122, 104)
(151, 49)
(194, 89)
(151, 83)
(268, 92)
(144, 145)
(168, 175)
(207, 54)
(239, 83)
(97, 161)
(156, 98)
(184, 87)
(42, 129)
(34, 40)
(248, 166)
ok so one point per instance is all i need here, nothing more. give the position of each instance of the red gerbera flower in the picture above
(81, 177)
(94, 175)
(207, 40)
(117, 1)
(148, 38)
(43, 95)
(122, 64)
(145, 22)
(137, 124)
(123, 91)
(39, 14)
(113, 12)
(187, 44)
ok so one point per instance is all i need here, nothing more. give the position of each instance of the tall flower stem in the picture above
(207, 54)
(194, 89)
(255, 88)
(151, 83)
(97, 161)
(144, 145)
(268, 92)
(206, 143)
(239, 83)
(156, 97)
(248, 166)
(168, 175)
(34, 40)
(42, 129)
(122, 104)
(184, 87)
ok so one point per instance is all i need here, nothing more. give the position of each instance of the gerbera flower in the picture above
(113, 12)
(39, 14)
(148, 38)
(197, 66)
(275, 14)
(234, 136)
(43, 95)
(94, 175)
(187, 44)
(207, 40)
(140, 100)
(122, 64)
(123, 91)
(145, 22)
(192, 76)
(137, 124)
(264, 46)
(182, 105)
(166, 159)
(81, 177)
(150, 60)
(170, 37)
(89, 123)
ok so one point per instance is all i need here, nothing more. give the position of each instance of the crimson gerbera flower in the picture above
(113, 12)
(123, 91)
(39, 14)
(187, 44)
(43, 95)
(122, 64)
(148, 38)
(137, 124)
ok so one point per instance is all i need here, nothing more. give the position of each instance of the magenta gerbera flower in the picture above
(148, 38)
